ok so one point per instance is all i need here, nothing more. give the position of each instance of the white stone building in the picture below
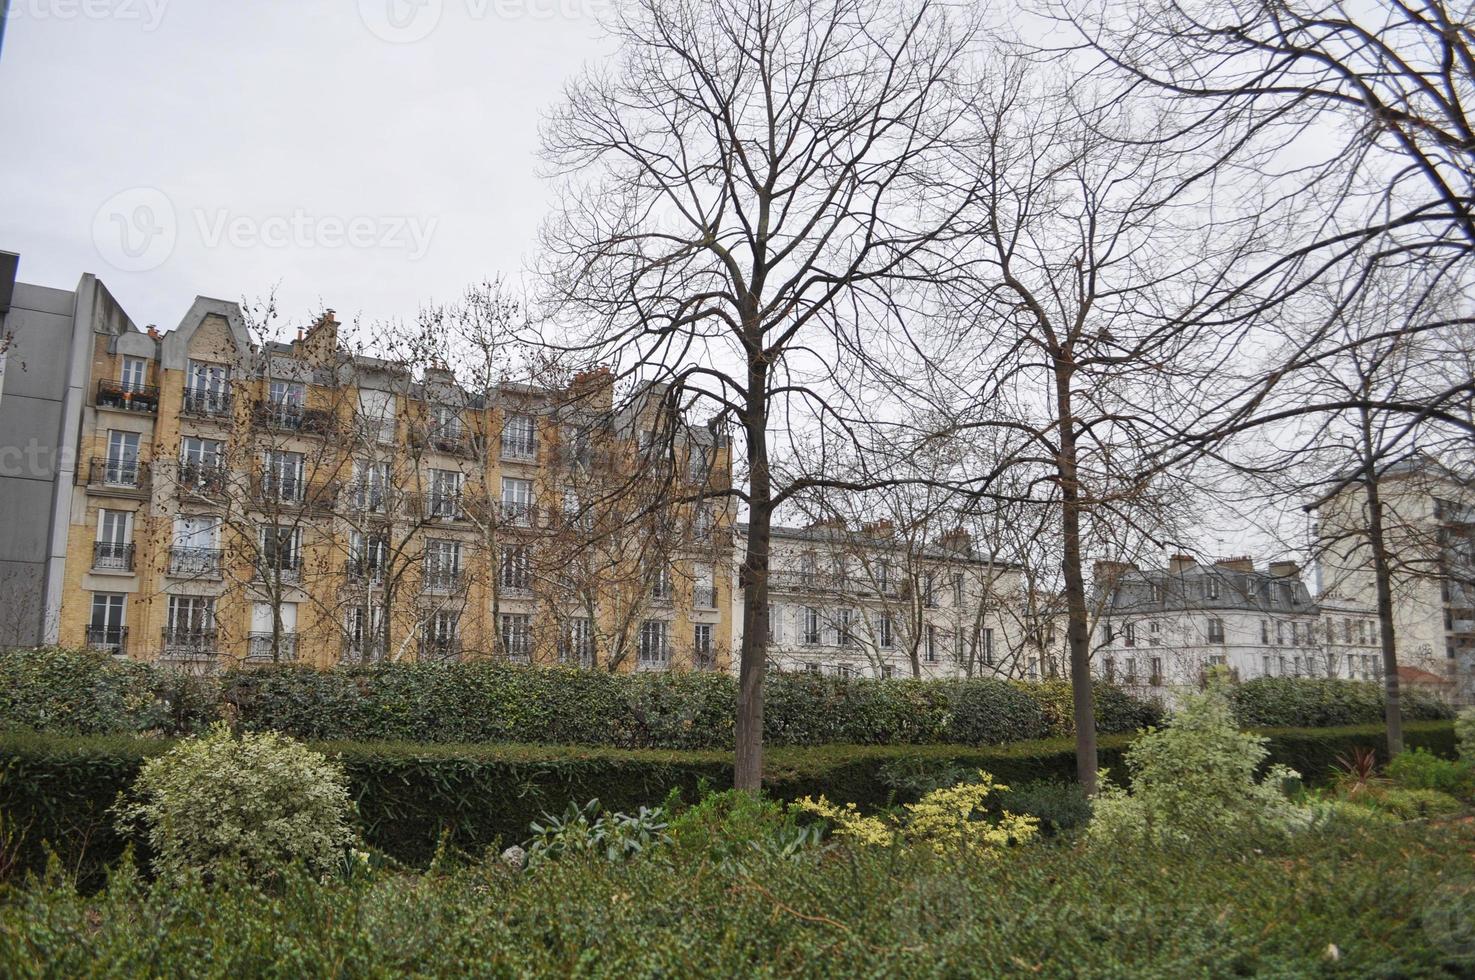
(1429, 529)
(862, 603)
(1161, 629)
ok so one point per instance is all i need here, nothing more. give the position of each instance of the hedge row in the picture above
(85, 693)
(57, 789)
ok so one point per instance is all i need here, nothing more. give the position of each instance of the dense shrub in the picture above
(1422, 769)
(1411, 804)
(58, 789)
(79, 691)
(1385, 901)
(1465, 733)
(1197, 780)
(1059, 807)
(1303, 702)
(254, 805)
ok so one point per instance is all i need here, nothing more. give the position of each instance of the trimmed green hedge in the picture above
(57, 789)
(1322, 702)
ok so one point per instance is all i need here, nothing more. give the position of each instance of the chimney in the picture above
(1107, 572)
(836, 523)
(958, 541)
(596, 387)
(152, 331)
(880, 529)
(1239, 563)
(1284, 569)
(1178, 564)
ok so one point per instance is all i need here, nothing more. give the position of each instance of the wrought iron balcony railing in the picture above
(109, 556)
(118, 475)
(108, 639)
(206, 402)
(188, 644)
(126, 396)
(264, 648)
(196, 563)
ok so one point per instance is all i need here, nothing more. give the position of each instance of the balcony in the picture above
(442, 580)
(109, 556)
(361, 651)
(283, 568)
(654, 658)
(370, 429)
(108, 639)
(128, 397)
(186, 646)
(453, 440)
(439, 648)
(195, 563)
(439, 505)
(206, 403)
(515, 587)
(366, 498)
(269, 416)
(519, 450)
(260, 648)
(118, 477)
(201, 479)
(363, 571)
(272, 492)
(516, 514)
(704, 596)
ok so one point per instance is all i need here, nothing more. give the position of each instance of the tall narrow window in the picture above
(517, 636)
(516, 576)
(884, 632)
(811, 626)
(517, 501)
(105, 630)
(135, 374)
(988, 647)
(519, 438)
(113, 550)
(702, 654)
(654, 643)
(121, 468)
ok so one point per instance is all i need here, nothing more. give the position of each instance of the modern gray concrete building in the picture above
(45, 349)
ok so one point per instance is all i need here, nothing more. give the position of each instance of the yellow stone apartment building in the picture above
(236, 503)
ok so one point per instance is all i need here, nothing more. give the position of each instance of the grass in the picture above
(1354, 901)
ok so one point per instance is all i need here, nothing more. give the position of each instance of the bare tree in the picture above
(750, 196)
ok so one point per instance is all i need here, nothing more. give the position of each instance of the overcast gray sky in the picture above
(368, 155)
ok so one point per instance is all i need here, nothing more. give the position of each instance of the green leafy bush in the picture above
(1302, 702)
(80, 691)
(254, 805)
(590, 829)
(1421, 769)
(1059, 807)
(1465, 733)
(1411, 804)
(1195, 782)
(58, 789)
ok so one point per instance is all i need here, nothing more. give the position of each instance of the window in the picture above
(122, 468)
(201, 464)
(207, 389)
(364, 629)
(445, 424)
(368, 556)
(519, 437)
(370, 487)
(958, 589)
(1216, 630)
(442, 565)
(105, 630)
(1266, 666)
(1347, 630)
(264, 642)
(885, 637)
(701, 522)
(444, 499)
(577, 646)
(195, 552)
(929, 596)
(191, 619)
(1110, 670)
(843, 635)
(701, 646)
(1154, 628)
(1129, 634)
(113, 551)
(887, 672)
(988, 647)
(660, 584)
(376, 415)
(883, 578)
(1265, 632)
(517, 636)
(1157, 592)
(517, 501)
(281, 553)
(1280, 633)
(442, 640)
(811, 626)
(930, 651)
(654, 646)
(703, 589)
(1296, 668)
(1211, 587)
(1363, 631)
(775, 623)
(282, 476)
(135, 374)
(1131, 675)
(285, 400)
(1156, 678)
(516, 571)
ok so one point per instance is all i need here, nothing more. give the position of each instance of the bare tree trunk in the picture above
(753, 577)
(1075, 587)
(1383, 583)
